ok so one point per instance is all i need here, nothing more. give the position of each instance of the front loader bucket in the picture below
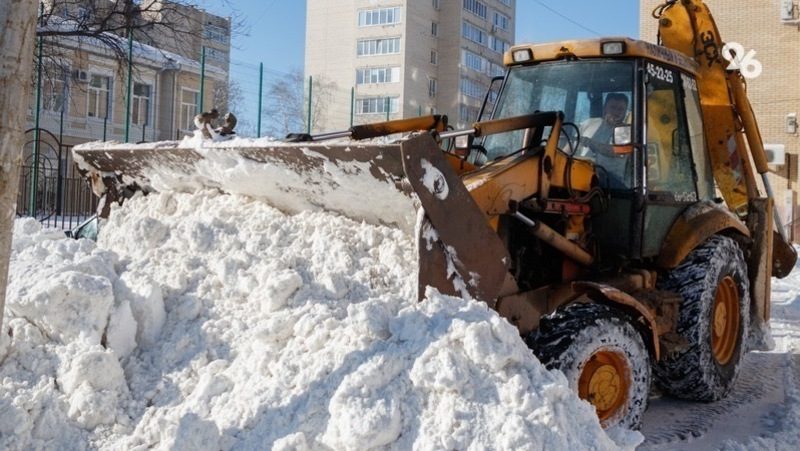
(459, 253)
(361, 181)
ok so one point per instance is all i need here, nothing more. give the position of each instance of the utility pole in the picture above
(34, 183)
(260, 96)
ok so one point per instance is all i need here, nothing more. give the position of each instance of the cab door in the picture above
(677, 167)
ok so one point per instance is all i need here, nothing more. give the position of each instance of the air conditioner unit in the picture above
(80, 76)
(494, 28)
(787, 10)
(776, 154)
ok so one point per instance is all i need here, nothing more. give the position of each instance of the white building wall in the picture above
(332, 34)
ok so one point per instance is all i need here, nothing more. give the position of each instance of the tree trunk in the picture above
(17, 43)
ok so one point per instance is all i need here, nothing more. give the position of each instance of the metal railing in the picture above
(50, 187)
(61, 202)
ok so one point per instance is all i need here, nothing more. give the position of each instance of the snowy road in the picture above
(756, 408)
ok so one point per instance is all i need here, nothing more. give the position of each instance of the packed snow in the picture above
(214, 321)
(324, 183)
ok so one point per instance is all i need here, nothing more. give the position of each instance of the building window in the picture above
(506, 2)
(432, 87)
(190, 99)
(379, 16)
(501, 20)
(474, 33)
(216, 56)
(474, 61)
(140, 104)
(434, 57)
(499, 45)
(496, 70)
(54, 89)
(99, 91)
(376, 105)
(434, 29)
(388, 46)
(475, 7)
(471, 88)
(468, 113)
(436, 5)
(216, 34)
(377, 75)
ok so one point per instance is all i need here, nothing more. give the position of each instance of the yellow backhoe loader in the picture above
(608, 207)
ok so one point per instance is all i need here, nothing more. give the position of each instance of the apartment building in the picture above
(84, 85)
(402, 58)
(771, 29)
(201, 30)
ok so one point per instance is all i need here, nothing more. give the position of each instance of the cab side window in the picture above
(670, 166)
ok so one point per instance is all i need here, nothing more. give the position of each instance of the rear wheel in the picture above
(713, 319)
(603, 357)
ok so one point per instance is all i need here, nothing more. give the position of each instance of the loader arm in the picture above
(731, 130)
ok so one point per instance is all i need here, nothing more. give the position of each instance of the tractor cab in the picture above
(631, 109)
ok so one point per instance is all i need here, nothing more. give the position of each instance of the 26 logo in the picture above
(744, 61)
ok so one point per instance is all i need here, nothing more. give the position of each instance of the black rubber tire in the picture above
(694, 373)
(566, 339)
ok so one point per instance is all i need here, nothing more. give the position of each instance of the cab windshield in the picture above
(596, 96)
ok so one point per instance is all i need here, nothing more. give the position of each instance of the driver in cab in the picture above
(597, 135)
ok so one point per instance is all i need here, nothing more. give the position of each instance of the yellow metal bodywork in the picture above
(517, 178)
(692, 228)
(592, 48)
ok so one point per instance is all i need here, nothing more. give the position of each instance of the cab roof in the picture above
(592, 48)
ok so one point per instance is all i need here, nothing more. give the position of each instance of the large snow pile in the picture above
(215, 322)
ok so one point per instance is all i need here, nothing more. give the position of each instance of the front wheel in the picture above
(713, 319)
(603, 357)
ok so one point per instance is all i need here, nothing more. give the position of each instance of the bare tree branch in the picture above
(154, 22)
(287, 103)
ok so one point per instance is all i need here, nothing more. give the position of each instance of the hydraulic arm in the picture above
(731, 130)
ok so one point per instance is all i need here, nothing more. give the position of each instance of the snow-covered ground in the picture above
(762, 412)
(216, 322)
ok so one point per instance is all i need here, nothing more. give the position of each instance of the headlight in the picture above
(613, 48)
(522, 56)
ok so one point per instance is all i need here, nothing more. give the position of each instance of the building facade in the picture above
(771, 29)
(403, 58)
(84, 84)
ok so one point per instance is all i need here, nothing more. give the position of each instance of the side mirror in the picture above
(622, 142)
(622, 135)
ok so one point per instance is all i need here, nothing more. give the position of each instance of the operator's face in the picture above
(614, 111)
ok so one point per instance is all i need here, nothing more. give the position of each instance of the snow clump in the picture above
(211, 321)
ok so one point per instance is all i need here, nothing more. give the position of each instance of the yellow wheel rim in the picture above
(725, 321)
(605, 383)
